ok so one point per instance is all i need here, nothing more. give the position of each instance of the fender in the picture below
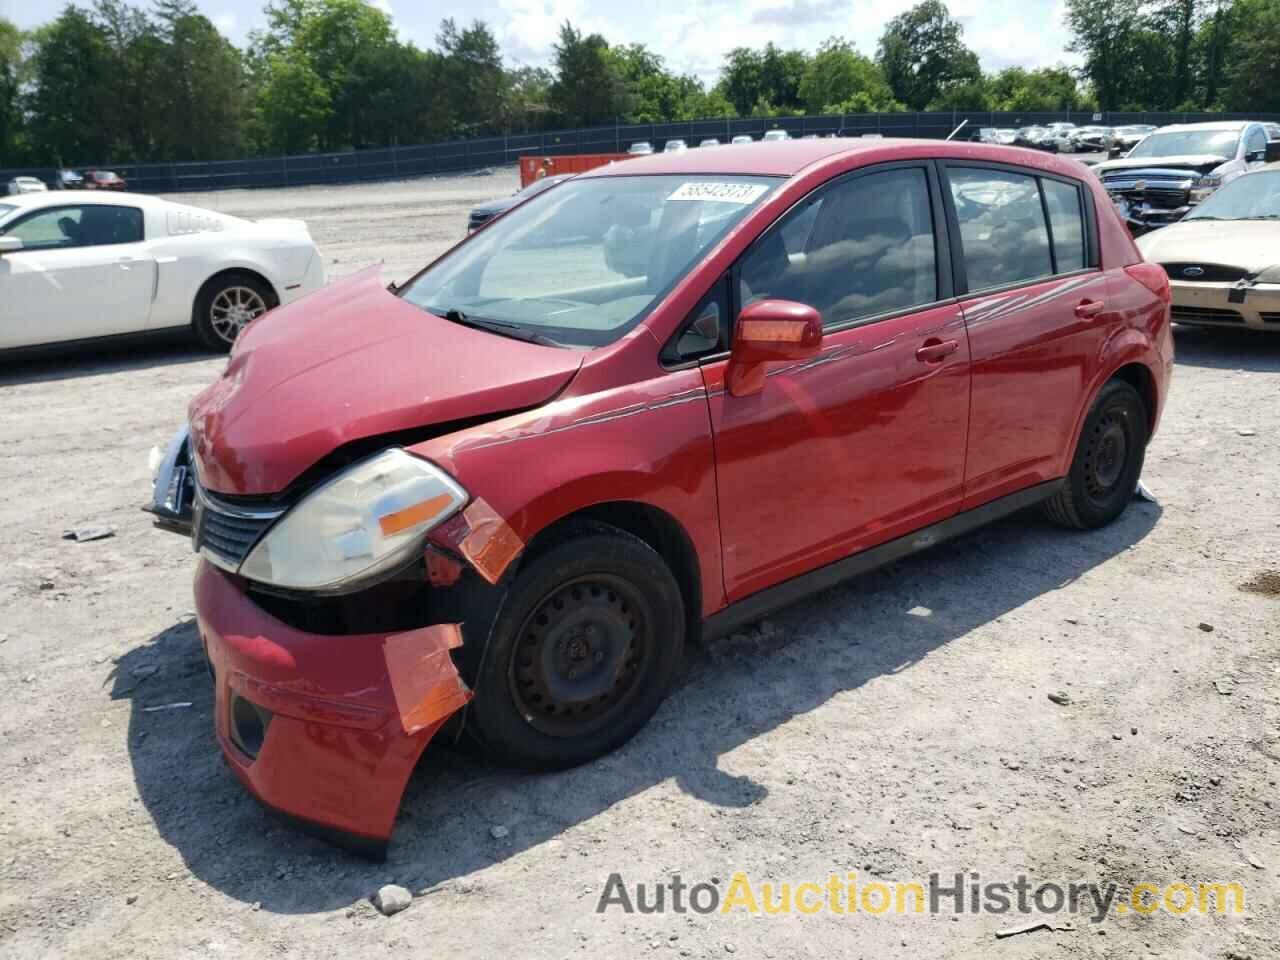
(647, 442)
(1125, 347)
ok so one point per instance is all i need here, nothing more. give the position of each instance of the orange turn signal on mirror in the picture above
(413, 514)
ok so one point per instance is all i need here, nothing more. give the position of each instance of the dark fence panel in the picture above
(455, 156)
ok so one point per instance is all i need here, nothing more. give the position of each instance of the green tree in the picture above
(758, 79)
(69, 105)
(588, 88)
(1253, 71)
(838, 73)
(528, 99)
(1104, 33)
(922, 52)
(12, 146)
(293, 108)
(474, 81)
(203, 84)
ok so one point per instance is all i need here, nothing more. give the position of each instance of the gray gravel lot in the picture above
(896, 726)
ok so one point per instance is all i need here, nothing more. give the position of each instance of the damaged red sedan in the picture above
(659, 399)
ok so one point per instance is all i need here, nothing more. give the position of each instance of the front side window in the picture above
(860, 247)
(1002, 227)
(584, 263)
(86, 226)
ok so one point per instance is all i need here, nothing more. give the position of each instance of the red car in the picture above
(661, 399)
(104, 180)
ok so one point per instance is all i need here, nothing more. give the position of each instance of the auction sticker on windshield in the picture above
(721, 192)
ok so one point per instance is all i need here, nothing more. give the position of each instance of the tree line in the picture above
(118, 82)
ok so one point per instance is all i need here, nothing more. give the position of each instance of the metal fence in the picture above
(454, 156)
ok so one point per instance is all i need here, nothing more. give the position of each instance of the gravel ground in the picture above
(897, 726)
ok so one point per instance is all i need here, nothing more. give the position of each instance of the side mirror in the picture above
(9, 245)
(767, 331)
(1272, 153)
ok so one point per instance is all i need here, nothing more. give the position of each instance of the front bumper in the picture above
(1227, 305)
(343, 719)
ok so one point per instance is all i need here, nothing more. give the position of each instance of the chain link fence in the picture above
(457, 156)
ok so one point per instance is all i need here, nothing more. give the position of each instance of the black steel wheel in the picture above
(1107, 463)
(582, 652)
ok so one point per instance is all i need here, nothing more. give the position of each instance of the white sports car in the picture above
(100, 265)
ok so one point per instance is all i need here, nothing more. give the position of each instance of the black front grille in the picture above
(1204, 272)
(1270, 317)
(226, 532)
(1205, 315)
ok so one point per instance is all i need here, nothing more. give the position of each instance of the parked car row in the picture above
(69, 180)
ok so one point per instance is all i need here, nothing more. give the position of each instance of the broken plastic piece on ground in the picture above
(82, 534)
(168, 706)
(1142, 492)
(424, 681)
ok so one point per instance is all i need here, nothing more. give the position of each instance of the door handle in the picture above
(1088, 309)
(934, 350)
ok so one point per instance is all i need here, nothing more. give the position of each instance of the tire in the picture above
(1107, 462)
(583, 650)
(226, 304)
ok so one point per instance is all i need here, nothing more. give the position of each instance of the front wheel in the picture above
(226, 305)
(1107, 463)
(581, 654)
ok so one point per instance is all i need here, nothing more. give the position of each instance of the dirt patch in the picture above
(1266, 583)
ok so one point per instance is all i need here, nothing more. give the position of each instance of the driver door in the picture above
(866, 442)
(83, 272)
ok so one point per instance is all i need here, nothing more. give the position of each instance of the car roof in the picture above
(786, 158)
(1214, 125)
(29, 201)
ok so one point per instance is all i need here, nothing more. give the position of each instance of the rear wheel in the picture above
(226, 305)
(1107, 463)
(581, 654)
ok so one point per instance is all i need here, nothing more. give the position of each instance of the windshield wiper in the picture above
(454, 315)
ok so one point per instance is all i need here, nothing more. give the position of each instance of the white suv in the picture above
(1175, 167)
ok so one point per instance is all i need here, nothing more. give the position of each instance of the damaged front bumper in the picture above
(324, 728)
(173, 484)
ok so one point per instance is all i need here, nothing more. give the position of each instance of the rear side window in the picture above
(1066, 220)
(857, 248)
(1002, 227)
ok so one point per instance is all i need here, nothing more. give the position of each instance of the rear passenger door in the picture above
(866, 442)
(1025, 256)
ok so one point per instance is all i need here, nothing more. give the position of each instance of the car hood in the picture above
(494, 207)
(1200, 163)
(351, 362)
(1251, 244)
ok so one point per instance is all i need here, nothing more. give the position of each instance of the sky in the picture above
(693, 35)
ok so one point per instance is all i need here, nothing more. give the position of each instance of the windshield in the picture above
(1255, 197)
(1189, 143)
(584, 263)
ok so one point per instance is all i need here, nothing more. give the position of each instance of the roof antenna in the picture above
(957, 129)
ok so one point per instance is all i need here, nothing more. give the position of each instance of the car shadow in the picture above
(734, 690)
(1222, 348)
(51, 363)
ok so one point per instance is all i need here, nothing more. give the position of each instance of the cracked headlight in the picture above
(367, 519)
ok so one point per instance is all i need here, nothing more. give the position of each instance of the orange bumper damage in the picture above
(325, 729)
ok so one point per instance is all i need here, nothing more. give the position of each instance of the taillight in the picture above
(1153, 277)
